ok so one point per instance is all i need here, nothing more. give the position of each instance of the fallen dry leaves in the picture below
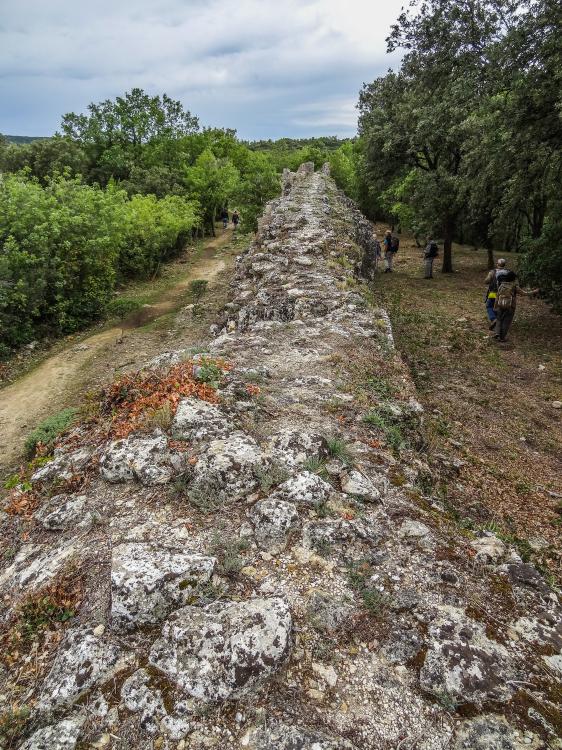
(132, 396)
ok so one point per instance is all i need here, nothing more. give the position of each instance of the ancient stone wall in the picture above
(266, 573)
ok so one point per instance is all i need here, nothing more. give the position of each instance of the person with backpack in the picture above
(224, 218)
(506, 301)
(235, 219)
(388, 253)
(492, 292)
(430, 253)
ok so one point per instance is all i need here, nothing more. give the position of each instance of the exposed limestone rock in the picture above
(463, 664)
(146, 459)
(64, 465)
(167, 359)
(489, 549)
(62, 512)
(357, 484)
(231, 464)
(199, 420)
(543, 630)
(304, 488)
(138, 697)
(326, 612)
(83, 660)
(284, 737)
(293, 447)
(148, 582)
(36, 565)
(384, 655)
(60, 736)
(272, 521)
(415, 530)
(402, 645)
(225, 649)
(491, 732)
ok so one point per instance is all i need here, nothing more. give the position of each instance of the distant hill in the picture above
(24, 138)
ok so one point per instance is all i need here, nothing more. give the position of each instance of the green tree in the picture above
(212, 182)
(113, 133)
(416, 119)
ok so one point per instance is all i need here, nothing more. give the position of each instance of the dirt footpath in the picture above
(62, 377)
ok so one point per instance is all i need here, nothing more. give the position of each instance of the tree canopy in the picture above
(463, 141)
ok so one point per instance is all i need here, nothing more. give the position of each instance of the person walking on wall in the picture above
(388, 254)
(506, 301)
(235, 219)
(430, 253)
(492, 292)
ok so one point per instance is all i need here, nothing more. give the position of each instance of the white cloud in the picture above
(240, 61)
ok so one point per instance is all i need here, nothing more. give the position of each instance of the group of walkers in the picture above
(502, 287)
(225, 218)
(391, 245)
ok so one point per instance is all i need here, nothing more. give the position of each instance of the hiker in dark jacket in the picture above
(430, 253)
(492, 292)
(224, 218)
(388, 253)
(506, 301)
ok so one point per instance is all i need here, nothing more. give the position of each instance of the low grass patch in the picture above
(45, 434)
(391, 429)
(338, 448)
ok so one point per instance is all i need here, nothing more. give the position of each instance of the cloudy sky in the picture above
(268, 68)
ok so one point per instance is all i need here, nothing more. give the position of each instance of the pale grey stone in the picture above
(489, 732)
(139, 697)
(463, 664)
(305, 488)
(146, 459)
(225, 649)
(60, 736)
(272, 521)
(199, 420)
(64, 466)
(294, 447)
(83, 661)
(148, 582)
(357, 484)
(64, 512)
(489, 549)
(285, 737)
(231, 464)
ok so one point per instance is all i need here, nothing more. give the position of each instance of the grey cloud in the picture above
(265, 68)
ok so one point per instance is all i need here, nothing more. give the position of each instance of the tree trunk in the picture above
(491, 263)
(449, 229)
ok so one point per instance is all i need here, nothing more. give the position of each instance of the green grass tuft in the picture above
(48, 431)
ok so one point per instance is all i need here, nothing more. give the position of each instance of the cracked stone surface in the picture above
(83, 660)
(146, 459)
(223, 650)
(272, 521)
(60, 736)
(463, 663)
(199, 420)
(284, 737)
(148, 582)
(343, 611)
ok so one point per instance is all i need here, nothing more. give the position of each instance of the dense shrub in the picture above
(154, 231)
(63, 246)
